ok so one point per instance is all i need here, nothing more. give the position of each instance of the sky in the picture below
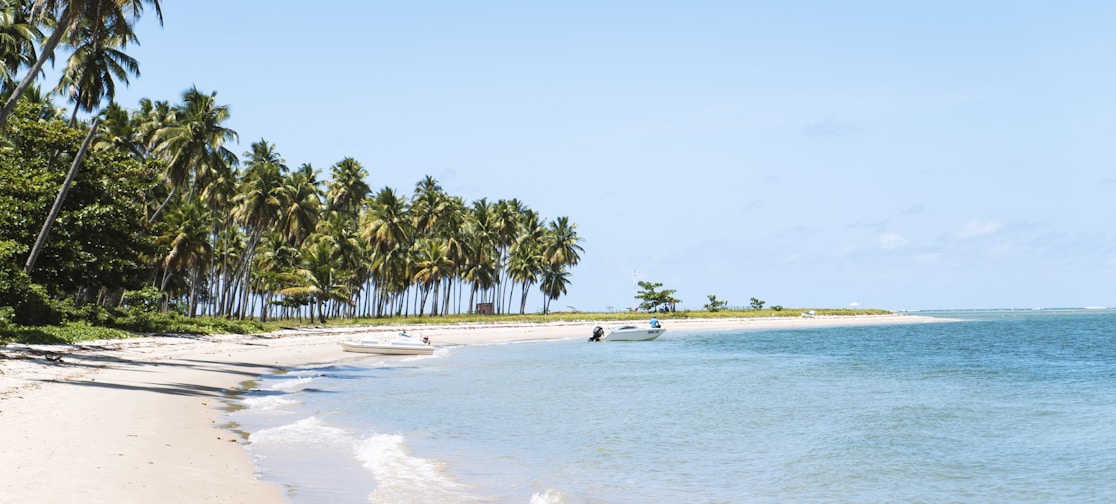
(810, 154)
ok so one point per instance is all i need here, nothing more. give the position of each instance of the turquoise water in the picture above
(1004, 406)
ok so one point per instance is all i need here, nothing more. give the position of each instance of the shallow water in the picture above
(1003, 407)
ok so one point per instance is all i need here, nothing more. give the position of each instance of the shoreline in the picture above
(139, 419)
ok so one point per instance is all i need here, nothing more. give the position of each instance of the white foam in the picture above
(550, 496)
(402, 477)
(267, 402)
(295, 384)
(306, 431)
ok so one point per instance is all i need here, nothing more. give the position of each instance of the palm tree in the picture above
(119, 132)
(525, 261)
(554, 282)
(335, 228)
(188, 249)
(427, 204)
(17, 41)
(320, 277)
(107, 18)
(258, 205)
(386, 226)
(194, 142)
(303, 199)
(561, 240)
(431, 265)
(88, 77)
(348, 190)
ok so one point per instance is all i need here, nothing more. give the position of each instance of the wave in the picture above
(308, 431)
(402, 477)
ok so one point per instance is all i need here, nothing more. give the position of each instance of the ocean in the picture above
(1002, 406)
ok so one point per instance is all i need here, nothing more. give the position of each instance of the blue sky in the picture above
(807, 153)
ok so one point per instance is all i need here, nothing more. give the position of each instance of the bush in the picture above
(148, 299)
(28, 301)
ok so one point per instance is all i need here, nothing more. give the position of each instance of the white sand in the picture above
(138, 420)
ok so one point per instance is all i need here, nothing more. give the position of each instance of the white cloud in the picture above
(889, 241)
(977, 227)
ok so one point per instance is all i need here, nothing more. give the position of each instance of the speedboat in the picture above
(629, 333)
(401, 345)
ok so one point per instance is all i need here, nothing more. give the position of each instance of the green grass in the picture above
(136, 323)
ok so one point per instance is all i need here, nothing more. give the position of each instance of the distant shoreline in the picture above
(137, 420)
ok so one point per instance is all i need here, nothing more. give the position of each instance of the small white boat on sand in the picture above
(403, 344)
(627, 333)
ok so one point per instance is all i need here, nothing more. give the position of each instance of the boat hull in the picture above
(633, 334)
(387, 348)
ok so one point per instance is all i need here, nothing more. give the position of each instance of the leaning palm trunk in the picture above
(46, 53)
(58, 201)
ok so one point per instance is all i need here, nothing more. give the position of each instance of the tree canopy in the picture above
(161, 203)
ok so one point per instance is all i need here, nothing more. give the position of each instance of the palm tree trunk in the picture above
(58, 201)
(33, 72)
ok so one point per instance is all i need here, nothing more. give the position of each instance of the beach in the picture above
(140, 420)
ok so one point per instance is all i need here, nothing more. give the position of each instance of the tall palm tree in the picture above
(258, 206)
(431, 266)
(387, 227)
(320, 277)
(303, 205)
(110, 17)
(187, 249)
(349, 188)
(119, 132)
(90, 70)
(554, 282)
(17, 41)
(427, 204)
(336, 229)
(194, 143)
(562, 240)
(525, 259)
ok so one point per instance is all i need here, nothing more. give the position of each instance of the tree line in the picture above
(160, 204)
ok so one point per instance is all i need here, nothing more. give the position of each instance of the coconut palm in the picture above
(119, 132)
(432, 265)
(194, 142)
(320, 278)
(554, 282)
(387, 228)
(349, 189)
(561, 240)
(336, 229)
(525, 259)
(93, 68)
(258, 205)
(107, 18)
(17, 41)
(187, 249)
(303, 205)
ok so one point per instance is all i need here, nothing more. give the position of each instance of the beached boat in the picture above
(403, 344)
(627, 333)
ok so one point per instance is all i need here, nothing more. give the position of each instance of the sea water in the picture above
(1002, 406)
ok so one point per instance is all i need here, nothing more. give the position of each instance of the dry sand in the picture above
(139, 420)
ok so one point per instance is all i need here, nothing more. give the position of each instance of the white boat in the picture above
(632, 333)
(401, 345)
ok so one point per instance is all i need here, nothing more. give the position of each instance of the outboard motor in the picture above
(597, 334)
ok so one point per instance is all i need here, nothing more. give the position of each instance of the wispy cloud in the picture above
(976, 228)
(891, 241)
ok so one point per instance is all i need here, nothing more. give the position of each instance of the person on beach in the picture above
(654, 322)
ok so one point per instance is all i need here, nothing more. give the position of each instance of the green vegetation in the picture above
(714, 305)
(116, 324)
(143, 221)
(653, 300)
(140, 216)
